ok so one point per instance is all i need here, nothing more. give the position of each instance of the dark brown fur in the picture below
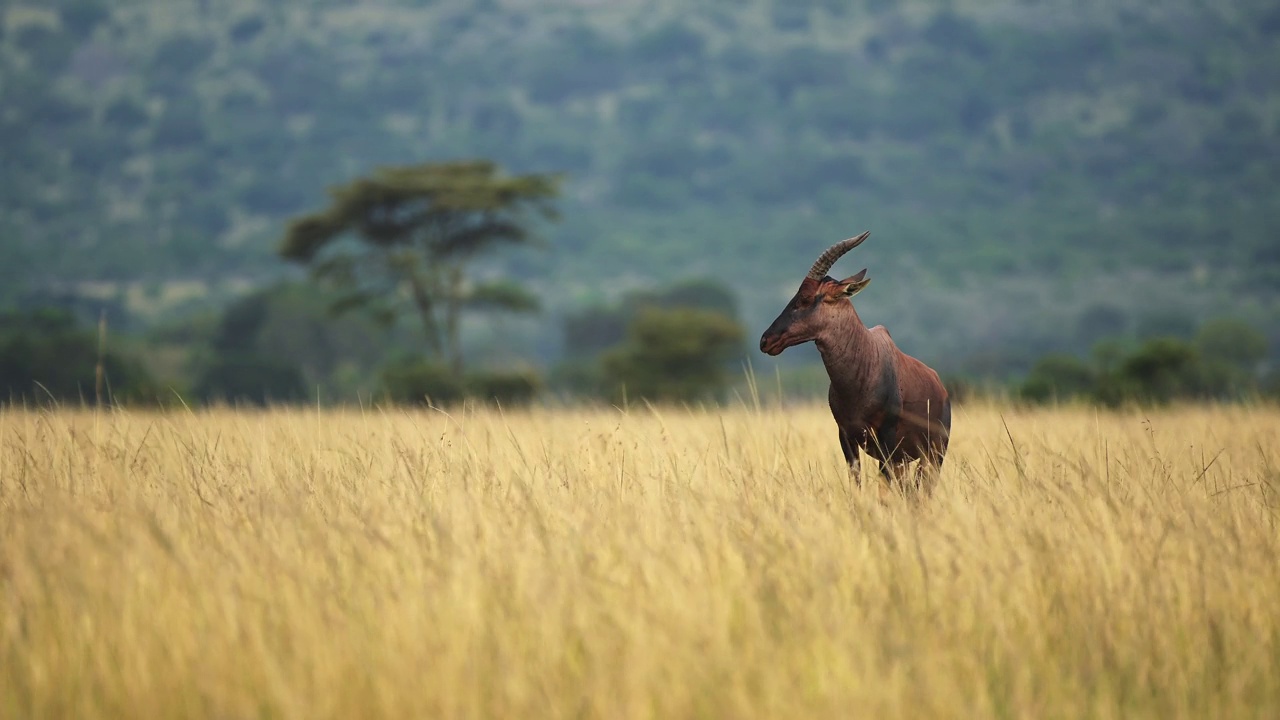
(884, 401)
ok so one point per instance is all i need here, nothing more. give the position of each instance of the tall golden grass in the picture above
(657, 563)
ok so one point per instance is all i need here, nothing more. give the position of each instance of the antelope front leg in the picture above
(851, 458)
(897, 477)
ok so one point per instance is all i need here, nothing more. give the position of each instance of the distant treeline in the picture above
(1226, 360)
(683, 343)
(284, 345)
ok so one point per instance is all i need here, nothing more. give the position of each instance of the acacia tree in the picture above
(405, 235)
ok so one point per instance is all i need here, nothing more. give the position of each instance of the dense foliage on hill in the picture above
(1026, 166)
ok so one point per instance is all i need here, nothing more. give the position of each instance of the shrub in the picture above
(504, 388)
(422, 383)
(1058, 377)
(679, 354)
(250, 378)
(47, 355)
(1160, 370)
(1224, 362)
(436, 385)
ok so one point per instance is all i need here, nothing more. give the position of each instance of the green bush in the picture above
(679, 355)
(1058, 377)
(250, 378)
(504, 388)
(1224, 362)
(422, 383)
(436, 385)
(594, 329)
(47, 355)
(1160, 370)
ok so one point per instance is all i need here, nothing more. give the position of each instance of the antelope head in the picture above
(817, 302)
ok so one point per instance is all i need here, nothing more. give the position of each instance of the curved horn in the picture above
(833, 253)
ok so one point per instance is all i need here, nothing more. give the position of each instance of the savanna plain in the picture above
(647, 563)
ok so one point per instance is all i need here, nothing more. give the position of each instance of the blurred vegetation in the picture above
(1226, 360)
(404, 237)
(438, 385)
(680, 354)
(275, 345)
(1016, 160)
(682, 342)
(1039, 176)
(406, 234)
(49, 356)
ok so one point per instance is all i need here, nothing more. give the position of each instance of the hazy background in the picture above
(1037, 175)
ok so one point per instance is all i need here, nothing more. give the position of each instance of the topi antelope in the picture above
(884, 401)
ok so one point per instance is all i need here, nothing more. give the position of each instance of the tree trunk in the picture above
(426, 311)
(453, 308)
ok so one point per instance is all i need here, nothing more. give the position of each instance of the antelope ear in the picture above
(851, 286)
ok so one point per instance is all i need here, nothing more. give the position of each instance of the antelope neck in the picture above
(848, 349)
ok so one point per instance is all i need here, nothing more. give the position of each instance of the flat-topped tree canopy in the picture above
(408, 231)
(450, 207)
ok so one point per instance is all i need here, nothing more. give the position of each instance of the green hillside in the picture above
(1029, 169)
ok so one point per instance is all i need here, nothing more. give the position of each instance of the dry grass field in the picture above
(659, 563)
